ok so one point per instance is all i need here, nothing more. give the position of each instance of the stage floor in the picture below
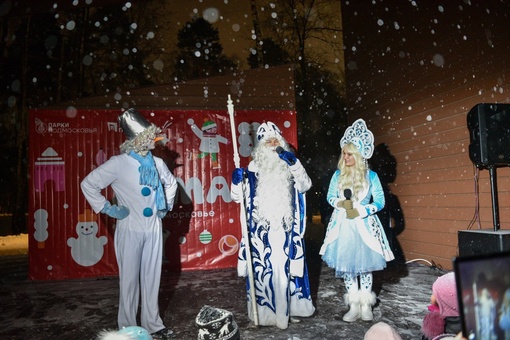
(79, 309)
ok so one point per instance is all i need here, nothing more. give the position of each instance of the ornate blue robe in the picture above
(282, 288)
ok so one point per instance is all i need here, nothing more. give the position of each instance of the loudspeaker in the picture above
(483, 242)
(489, 134)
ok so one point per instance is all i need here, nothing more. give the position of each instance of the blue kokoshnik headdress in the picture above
(359, 135)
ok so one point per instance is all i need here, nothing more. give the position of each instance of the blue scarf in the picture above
(149, 176)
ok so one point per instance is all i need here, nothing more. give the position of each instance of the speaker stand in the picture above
(494, 196)
(486, 241)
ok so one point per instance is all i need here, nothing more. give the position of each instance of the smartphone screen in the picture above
(483, 292)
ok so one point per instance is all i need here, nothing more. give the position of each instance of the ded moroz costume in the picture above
(273, 188)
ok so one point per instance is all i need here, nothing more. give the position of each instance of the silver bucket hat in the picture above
(132, 123)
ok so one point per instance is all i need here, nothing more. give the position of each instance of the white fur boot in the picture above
(367, 299)
(352, 300)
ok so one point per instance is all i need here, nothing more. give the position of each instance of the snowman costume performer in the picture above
(355, 244)
(274, 185)
(145, 190)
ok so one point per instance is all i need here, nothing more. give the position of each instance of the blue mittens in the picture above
(288, 157)
(119, 212)
(162, 213)
(237, 176)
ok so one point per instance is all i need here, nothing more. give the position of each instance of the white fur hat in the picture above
(267, 130)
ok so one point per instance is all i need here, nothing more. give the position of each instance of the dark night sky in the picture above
(233, 20)
(231, 17)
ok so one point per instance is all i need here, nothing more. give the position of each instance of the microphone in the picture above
(285, 155)
(347, 194)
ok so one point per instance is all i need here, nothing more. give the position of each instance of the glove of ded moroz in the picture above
(237, 176)
(287, 156)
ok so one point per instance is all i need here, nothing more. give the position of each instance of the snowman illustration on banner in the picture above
(87, 249)
(210, 140)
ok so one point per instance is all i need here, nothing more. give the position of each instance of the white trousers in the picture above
(139, 257)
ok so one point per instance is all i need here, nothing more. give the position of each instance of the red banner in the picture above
(68, 240)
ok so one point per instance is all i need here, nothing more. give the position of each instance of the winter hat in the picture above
(216, 324)
(138, 131)
(445, 291)
(208, 124)
(126, 333)
(381, 331)
(359, 135)
(267, 130)
(132, 123)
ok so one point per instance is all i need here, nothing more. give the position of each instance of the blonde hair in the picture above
(352, 176)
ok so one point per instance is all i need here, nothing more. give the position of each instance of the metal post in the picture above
(494, 195)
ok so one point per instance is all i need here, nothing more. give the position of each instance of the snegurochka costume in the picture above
(145, 190)
(282, 288)
(355, 247)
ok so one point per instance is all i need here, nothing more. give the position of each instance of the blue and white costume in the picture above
(359, 245)
(282, 288)
(355, 244)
